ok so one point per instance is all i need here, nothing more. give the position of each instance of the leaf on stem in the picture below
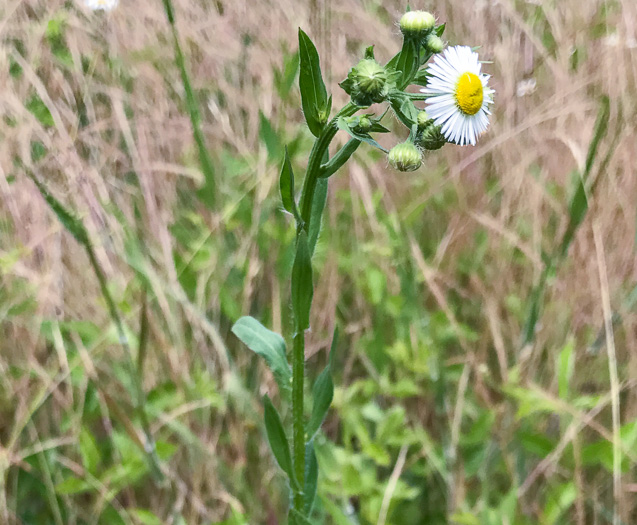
(364, 137)
(311, 477)
(302, 285)
(313, 93)
(404, 108)
(407, 62)
(322, 394)
(277, 438)
(268, 345)
(286, 186)
(340, 158)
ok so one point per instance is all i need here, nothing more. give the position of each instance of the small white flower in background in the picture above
(459, 96)
(526, 87)
(101, 5)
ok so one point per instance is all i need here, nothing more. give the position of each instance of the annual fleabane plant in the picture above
(457, 101)
(101, 5)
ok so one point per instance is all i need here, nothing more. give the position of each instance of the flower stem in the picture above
(298, 377)
(316, 158)
(319, 150)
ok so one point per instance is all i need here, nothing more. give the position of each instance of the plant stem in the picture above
(298, 423)
(317, 154)
(316, 158)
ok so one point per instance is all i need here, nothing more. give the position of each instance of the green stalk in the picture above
(298, 423)
(193, 109)
(319, 150)
(316, 158)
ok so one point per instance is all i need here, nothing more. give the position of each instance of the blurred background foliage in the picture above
(450, 407)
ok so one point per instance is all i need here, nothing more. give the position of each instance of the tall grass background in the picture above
(486, 367)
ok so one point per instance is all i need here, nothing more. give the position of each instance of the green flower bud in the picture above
(405, 157)
(417, 23)
(364, 124)
(423, 119)
(366, 83)
(434, 43)
(431, 137)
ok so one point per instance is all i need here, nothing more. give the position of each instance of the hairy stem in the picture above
(298, 423)
(316, 158)
(317, 154)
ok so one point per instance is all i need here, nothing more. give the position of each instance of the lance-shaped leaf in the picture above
(268, 345)
(302, 285)
(344, 125)
(313, 93)
(341, 157)
(286, 186)
(407, 62)
(311, 477)
(316, 214)
(404, 108)
(322, 394)
(277, 439)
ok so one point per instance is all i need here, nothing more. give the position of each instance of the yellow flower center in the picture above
(469, 93)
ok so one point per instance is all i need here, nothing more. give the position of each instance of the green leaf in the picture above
(286, 186)
(296, 518)
(322, 395)
(407, 62)
(313, 92)
(268, 345)
(577, 211)
(40, 111)
(340, 158)
(316, 214)
(364, 137)
(89, 451)
(72, 486)
(601, 127)
(404, 108)
(302, 285)
(269, 137)
(205, 160)
(311, 477)
(277, 438)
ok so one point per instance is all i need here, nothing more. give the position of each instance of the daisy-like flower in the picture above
(459, 96)
(101, 5)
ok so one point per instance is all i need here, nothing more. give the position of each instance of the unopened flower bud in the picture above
(364, 124)
(431, 137)
(366, 83)
(417, 23)
(405, 157)
(423, 119)
(435, 44)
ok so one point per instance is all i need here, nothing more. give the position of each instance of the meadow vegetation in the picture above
(486, 366)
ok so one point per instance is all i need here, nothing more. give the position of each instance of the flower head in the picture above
(459, 95)
(417, 23)
(367, 83)
(101, 5)
(405, 157)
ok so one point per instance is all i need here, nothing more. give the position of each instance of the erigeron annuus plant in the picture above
(457, 100)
